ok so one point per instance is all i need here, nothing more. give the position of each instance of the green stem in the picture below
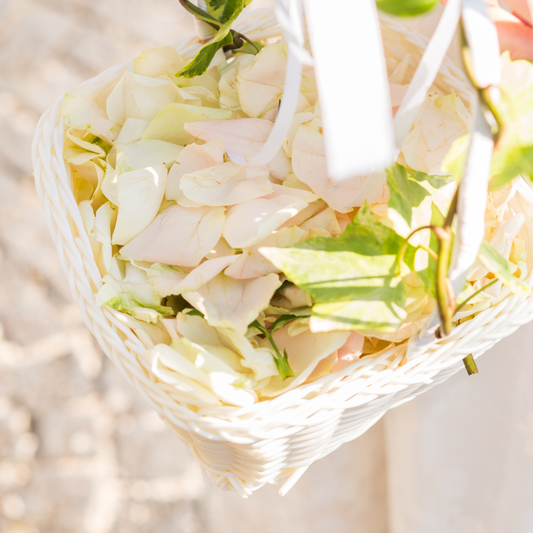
(462, 304)
(403, 249)
(470, 365)
(445, 312)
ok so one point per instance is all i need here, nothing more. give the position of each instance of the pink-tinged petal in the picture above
(243, 136)
(179, 236)
(203, 274)
(350, 351)
(326, 220)
(251, 222)
(309, 164)
(260, 83)
(441, 121)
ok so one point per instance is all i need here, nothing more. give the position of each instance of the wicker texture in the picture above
(274, 440)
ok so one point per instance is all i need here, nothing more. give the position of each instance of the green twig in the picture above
(470, 365)
(462, 304)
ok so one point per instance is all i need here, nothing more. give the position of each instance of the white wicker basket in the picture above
(274, 440)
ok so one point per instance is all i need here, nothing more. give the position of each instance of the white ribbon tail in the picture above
(423, 79)
(290, 17)
(353, 87)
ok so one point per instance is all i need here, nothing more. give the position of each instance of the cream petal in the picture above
(324, 220)
(139, 97)
(202, 274)
(178, 236)
(252, 264)
(197, 330)
(158, 62)
(304, 352)
(132, 130)
(260, 83)
(84, 109)
(164, 277)
(231, 303)
(192, 158)
(297, 121)
(226, 184)
(169, 124)
(104, 223)
(139, 196)
(150, 153)
(251, 222)
(441, 121)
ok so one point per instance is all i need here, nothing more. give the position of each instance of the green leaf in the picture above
(225, 10)
(282, 361)
(201, 61)
(365, 235)
(435, 181)
(405, 193)
(247, 48)
(428, 276)
(284, 319)
(503, 269)
(510, 161)
(351, 290)
(406, 8)
(455, 160)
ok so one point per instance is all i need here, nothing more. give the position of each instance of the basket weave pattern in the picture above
(277, 439)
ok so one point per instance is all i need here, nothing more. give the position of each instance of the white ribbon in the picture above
(353, 86)
(414, 98)
(290, 16)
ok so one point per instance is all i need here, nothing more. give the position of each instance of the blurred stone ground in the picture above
(79, 451)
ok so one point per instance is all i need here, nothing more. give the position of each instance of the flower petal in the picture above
(84, 109)
(441, 121)
(260, 83)
(141, 97)
(252, 264)
(150, 153)
(179, 236)
(309, 164)
(169, 124)
(231, 303)
(251, 222)
(226, 184)
(139, 196)
(158, 62)
(243, 136)
(304, 351)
